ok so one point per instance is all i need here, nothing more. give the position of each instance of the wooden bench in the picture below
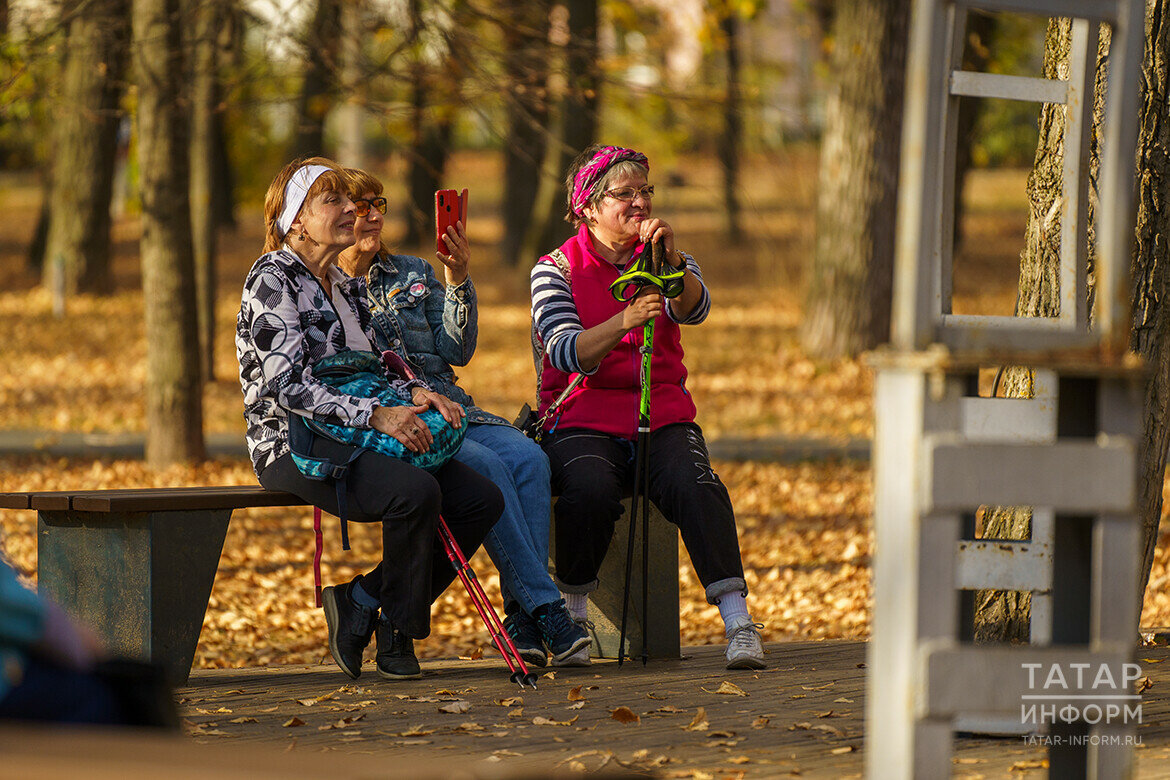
(138, 566)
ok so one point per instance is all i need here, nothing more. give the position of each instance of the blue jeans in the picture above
(518, 544)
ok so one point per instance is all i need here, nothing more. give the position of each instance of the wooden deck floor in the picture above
(803, 716)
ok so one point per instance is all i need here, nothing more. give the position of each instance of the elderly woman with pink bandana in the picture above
(590, 436)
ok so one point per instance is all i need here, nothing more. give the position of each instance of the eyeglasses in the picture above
(627, 194)
(362, 206)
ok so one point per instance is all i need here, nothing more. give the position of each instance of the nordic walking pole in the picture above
(641, 469)
(640, 276)
(503, 642)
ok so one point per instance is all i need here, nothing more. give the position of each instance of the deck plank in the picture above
(805, 714)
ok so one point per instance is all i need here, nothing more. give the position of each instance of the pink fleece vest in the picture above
(607, 400)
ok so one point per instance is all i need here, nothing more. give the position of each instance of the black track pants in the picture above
(592, 471)
(407, 501)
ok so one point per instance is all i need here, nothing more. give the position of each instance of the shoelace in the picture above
(554, 621)
(741, 639)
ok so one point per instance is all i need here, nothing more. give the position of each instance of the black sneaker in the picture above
(350, 626)
(395, 658)
(562, 635)
(525, 634)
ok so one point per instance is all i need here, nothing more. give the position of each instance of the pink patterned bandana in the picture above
(594, 171)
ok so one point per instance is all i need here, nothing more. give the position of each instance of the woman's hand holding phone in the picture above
(451, 245)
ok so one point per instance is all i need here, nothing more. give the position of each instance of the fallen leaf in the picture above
(457, 707)
(540, 720)
(469, 727)
(625, 715)
(549, 675)
(836, 732)
(832, 714)
(576, 705)
(739, 760)
(306, 702)
(510, 701)
(516, 713)
(575, 694)
(842, 750)
(824, 687)
(242, 720)
(721, 735)
(670, 709)
(416, 731)
(760, 722)
(270, 709)
(475, 655)
(1143, 684)
(967, 760)
(842, 700)
(729, 689)
(1023, 766)
(293, 722)
(699, 723)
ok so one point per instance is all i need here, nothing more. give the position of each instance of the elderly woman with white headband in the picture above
(297, 309)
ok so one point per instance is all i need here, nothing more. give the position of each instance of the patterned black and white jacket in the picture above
(286, 324)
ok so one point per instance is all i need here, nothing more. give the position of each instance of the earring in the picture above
(301, 236)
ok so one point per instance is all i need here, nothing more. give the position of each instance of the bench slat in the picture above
(169, 499)
(15, 500)
(58, 499)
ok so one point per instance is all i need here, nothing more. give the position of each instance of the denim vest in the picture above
(432, 326)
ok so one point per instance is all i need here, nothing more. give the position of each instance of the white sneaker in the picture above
(744, 650)
(581, 657)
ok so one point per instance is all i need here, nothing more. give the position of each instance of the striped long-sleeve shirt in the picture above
(555, 314)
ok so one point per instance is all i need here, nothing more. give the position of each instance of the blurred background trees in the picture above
(400, 85)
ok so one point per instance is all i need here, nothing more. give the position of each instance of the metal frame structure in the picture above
(941, 452)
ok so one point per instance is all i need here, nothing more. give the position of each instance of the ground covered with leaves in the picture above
(805, 529)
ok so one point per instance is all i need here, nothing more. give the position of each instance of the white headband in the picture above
(295, 192)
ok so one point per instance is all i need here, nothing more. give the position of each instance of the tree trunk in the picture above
(35, 259)
(434, 98)
(1038, 273)
(174, 412)
(1150, 274)
(85, 138)
(204, 16)
(351, 141)
(981, 34)
(318, 87)
(577, 121)
(729, 142)
(847, 308)
(526, 59)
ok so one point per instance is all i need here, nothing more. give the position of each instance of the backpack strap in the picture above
(300, 442)
(562, 263)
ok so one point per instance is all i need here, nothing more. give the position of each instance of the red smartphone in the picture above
(450, 207)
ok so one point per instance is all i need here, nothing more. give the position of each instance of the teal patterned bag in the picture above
(363, 375)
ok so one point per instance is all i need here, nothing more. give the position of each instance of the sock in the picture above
(731, 606)
(362, 598)
(576, 604)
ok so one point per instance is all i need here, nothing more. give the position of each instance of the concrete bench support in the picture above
(605, 604)
(140, 579)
